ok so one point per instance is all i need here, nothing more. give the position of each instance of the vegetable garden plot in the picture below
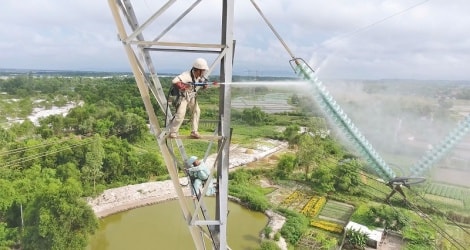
(295, 201)
(336, 212)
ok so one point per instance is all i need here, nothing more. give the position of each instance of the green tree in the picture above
(347, 176)
(285, 166)
(23, 153)
(6, 136)
(58, 218)
(104, 126)
(291, 134)
(5, 237)
(49, 159)
(323, 179)
(86, 127)
(68, 170)
(310, 152)
(254, 116)
(92, 171)
(7, 196)
(151, 165)
(24, 129)
(56, 123)
(130, 126)
(112, 167)
(26, 107)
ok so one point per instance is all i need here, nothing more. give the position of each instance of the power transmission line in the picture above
(361, 29)
(22, 149)
(36, 156)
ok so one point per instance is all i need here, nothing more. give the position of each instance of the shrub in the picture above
(356, 238)
(269, 245)
(295, 226)
(267, 231)
(277, 236)
(252, 195)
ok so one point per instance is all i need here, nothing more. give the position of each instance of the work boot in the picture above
(195, 135)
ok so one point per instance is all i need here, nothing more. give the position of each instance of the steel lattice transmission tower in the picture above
(140, 52)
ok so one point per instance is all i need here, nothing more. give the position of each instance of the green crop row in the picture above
(447, 191)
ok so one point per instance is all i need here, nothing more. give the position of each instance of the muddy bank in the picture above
(121, 199)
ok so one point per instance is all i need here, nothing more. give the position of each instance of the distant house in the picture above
(323, 133)
(374, 236)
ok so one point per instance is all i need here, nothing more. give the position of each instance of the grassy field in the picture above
(444, 200)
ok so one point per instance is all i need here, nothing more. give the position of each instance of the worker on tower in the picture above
(187, 85)
(199, 173)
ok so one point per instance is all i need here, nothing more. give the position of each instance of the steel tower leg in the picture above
(224, 111)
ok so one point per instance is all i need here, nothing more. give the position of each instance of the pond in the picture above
(161, 226)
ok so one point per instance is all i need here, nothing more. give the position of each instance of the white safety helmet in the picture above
(200, 63)
(191, 160)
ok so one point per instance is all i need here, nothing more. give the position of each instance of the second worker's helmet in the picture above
(200, 63)
(191, 160)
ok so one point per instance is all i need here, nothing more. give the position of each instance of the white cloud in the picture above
(349, 39)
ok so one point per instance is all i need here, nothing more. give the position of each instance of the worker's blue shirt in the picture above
(201, 172)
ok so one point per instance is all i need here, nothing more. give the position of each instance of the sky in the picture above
(362, 39)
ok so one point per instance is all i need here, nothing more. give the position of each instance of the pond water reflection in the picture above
(161, 226)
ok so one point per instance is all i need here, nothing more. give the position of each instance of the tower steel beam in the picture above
(224, 115)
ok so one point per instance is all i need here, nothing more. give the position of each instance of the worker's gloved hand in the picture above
(181, 86)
